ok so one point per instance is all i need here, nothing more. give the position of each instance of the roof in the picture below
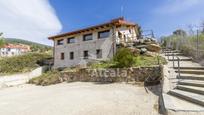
(117, 22)
(17, 46)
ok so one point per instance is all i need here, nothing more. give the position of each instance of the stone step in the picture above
(193, 68)
(188, 96)
(175, 54)
(172, 51)
(176, 104)
(191, 77)
(185, 59)
(190, 71)
(193, 89)
(197, 83)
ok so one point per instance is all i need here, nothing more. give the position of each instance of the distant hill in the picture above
(35, 47)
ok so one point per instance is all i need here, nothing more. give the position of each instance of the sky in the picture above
(35, 20)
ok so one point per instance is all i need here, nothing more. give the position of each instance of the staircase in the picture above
(187, 82)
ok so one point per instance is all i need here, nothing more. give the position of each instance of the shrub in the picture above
(1, 42)
(124, 58)
(49, 78)
(22, 63)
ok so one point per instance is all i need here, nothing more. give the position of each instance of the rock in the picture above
(141, 46)
(135, 51)
(143, 50)
(154, 48)
(147, 40)
(122, 44)
(148, 43)
(149, 54)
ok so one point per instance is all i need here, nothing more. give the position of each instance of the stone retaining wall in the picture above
(142, 74)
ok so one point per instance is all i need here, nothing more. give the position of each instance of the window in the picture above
(60, 42)
(87, 37)
(71, 55)
(71, 40)
(62, 56)
(103, 34)
(98, 53)
(130, 31)
(86, 54)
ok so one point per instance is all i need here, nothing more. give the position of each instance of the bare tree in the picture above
(191, 32)
(179, 32)
(202, 25)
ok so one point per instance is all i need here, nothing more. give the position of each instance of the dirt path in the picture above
(79, 99)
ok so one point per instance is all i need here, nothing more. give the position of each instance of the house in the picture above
(93, 43)
(9, 50)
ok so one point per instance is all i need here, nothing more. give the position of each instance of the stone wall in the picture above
(141, 74)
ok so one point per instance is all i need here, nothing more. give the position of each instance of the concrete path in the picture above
(18, 79)
(79, 99)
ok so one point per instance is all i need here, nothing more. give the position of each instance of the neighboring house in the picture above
(93, 43)
(9, 50)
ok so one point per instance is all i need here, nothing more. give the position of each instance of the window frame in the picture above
(68, 40)
(62, 57)
(101, 32)
(71, 55)
(59, 42)
(84, 36)
(86, 55)
(99, 54)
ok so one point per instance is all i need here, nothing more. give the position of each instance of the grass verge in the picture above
(139, 61)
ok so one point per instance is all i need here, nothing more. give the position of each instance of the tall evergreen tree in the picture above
(1, 40)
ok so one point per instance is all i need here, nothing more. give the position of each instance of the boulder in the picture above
(122, 44)
(153, 48)
(148, 43)
(143, 50)
(149, 54)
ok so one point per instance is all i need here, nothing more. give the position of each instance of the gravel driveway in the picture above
(78, 99)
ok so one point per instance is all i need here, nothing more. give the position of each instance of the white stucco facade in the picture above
(8, 52)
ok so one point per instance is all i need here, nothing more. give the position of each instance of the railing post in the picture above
(173, 59)
(179, 72)
(165, 51)
(168, 55)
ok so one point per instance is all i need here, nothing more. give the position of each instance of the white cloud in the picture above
(32, 20)
(177, 6)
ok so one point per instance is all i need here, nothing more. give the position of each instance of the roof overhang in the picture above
(114, 22)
